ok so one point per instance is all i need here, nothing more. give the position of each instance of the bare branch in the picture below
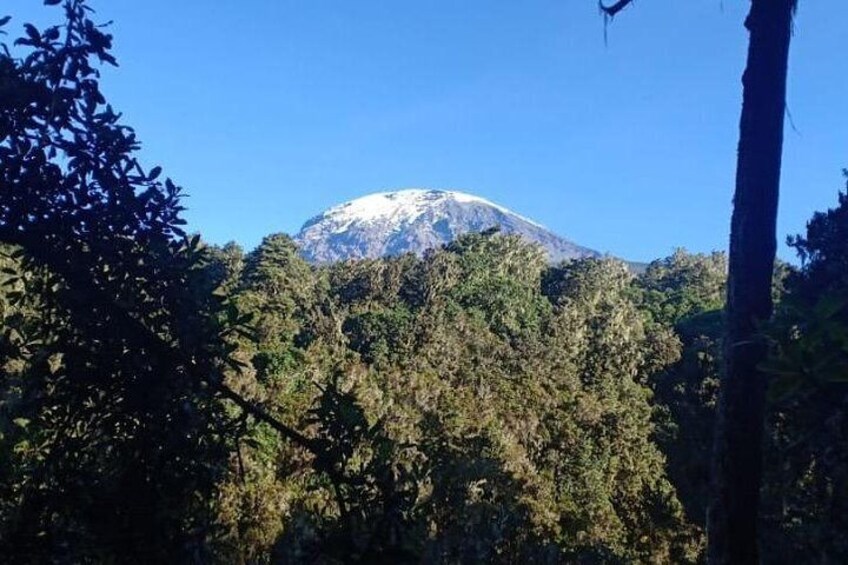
(611, 10)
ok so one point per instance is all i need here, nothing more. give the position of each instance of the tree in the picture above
(121, 426)
(737, 460)
(684, 294)
(116, 437)
(123, 406)
(504, 414)
(806, 489)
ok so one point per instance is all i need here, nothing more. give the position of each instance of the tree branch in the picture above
(76, 279)
(261, 415)
(613, 9)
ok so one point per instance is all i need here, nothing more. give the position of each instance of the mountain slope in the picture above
(412, 221)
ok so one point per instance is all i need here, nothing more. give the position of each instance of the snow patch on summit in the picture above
(400, 207)
(415, 220)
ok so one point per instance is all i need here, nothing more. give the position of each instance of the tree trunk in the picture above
(737, 461)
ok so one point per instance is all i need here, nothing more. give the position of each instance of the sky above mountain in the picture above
(269, 111)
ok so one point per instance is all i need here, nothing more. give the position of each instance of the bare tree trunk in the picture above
(737, 459)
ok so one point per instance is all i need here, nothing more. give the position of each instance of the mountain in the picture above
(392, 223)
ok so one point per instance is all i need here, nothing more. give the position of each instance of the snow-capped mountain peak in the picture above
(414, 220)
(399, 207)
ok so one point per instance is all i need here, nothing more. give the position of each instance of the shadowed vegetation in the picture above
(164, 400)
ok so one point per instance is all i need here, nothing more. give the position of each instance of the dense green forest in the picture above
(166, 400)
(472, 405)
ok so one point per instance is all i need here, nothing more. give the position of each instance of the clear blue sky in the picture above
(269, 111)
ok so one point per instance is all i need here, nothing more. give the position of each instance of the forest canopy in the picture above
(167, 400)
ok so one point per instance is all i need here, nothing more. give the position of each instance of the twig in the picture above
(613, 9)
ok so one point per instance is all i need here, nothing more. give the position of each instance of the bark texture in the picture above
(737, 461)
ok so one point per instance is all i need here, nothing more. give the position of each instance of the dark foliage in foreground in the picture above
(166, 401)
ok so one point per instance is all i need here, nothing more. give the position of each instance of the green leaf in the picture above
(32, 32)
(21, 422)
